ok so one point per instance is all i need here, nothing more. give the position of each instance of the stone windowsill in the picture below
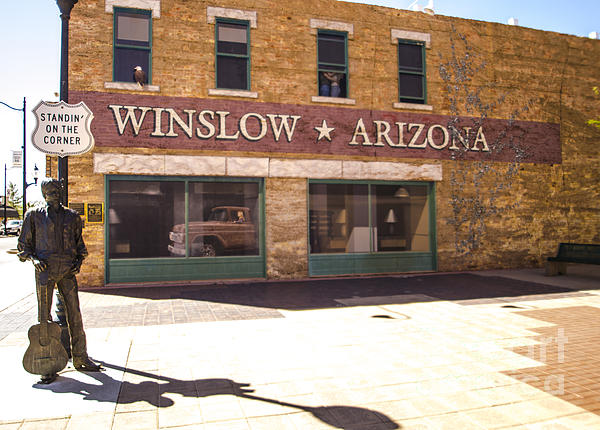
(413, 106)
(232, 93)
(334, 100)
(130, 86)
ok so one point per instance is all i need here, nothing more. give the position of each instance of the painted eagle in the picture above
(139, 76)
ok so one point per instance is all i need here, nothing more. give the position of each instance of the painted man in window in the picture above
(51, 238)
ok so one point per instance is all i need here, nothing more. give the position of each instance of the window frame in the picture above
(152, 269)
(328, 264)
(322, 31)
(247, 24)
(142, 12)
(405, 71)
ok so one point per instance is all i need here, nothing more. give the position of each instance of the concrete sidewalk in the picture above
(481, 350)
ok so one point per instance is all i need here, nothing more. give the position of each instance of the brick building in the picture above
(314, 138)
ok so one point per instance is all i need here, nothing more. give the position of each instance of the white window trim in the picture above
(223, 92)
(411, 35)
(323, 24)
(153, 5)
(131, 86)
(412, 106)
(220, 12)
(333, 100)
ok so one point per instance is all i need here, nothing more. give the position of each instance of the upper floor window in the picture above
(411, 72)
(132, 44)
(332, 52)
(233, 54)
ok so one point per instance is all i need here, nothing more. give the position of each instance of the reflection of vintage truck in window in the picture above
(228, 230)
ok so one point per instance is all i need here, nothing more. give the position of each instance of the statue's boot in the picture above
(47, 379)
(86, 365)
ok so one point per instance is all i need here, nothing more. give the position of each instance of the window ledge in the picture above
(335, 100)
(130, 86)
(413, 106)
(232, 93)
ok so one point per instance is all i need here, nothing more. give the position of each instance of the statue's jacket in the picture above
(39, 238)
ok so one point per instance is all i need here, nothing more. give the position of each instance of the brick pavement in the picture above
(569, 350)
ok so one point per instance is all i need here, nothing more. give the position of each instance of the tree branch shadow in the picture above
(153, 391)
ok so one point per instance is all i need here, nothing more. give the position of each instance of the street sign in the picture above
(17, 158)
(63, 129)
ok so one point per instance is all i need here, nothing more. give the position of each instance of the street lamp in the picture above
(24, 152)
(36, 175)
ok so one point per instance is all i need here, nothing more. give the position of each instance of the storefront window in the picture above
(400, 217)
(362, 218)
(339, 218)
(147, 219)
(223, 219)
(141, 215)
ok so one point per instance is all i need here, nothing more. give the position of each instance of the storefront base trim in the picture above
(354, 264)
(185, 269)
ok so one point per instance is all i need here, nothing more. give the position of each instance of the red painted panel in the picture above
(231, 125)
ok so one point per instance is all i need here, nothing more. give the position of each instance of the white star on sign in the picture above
(324, 131)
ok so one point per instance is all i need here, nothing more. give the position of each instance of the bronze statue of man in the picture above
(51, 238)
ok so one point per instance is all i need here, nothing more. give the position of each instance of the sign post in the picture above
(65, 7)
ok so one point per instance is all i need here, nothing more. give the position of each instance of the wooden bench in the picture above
(572, 253)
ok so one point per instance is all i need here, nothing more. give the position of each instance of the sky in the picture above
(30, 33)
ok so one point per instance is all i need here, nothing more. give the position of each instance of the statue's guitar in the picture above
(45, 354)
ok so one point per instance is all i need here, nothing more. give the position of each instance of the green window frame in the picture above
(183, 267)
(332, 57)
(412, 83)
(132, 43)
(352, 229)
(232, 54)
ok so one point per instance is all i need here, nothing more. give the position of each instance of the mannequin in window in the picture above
(330, 84)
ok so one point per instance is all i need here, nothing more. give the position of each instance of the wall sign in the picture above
(124, 120)
(78, 207)
(94, 212)
(63, 129)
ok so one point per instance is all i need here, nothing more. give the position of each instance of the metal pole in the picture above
(5, 234)
(65, 7)
(24, 160)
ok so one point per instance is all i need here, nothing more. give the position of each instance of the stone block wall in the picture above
(554, 203)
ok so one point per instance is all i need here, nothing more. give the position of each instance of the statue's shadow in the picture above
(154, 391)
